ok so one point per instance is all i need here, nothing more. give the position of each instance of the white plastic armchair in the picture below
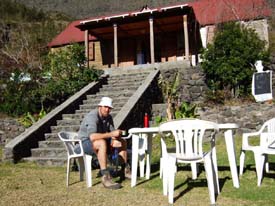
(267, 147)
(268, 126)
(70, 139)
(190, 136)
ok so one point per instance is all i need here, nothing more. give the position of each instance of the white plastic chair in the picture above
(190, 136)
(267, 147)
(194, 166)
(85, 161)
(268, 126)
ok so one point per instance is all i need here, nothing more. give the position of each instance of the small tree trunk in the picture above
(169, 110)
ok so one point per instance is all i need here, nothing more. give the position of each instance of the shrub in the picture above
(18, 95)
(186, 110)
(228, 62)
(67, 74)
(64, 73)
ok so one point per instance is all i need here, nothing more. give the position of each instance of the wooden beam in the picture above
(86, 33)
(186, 37)
(152, 49)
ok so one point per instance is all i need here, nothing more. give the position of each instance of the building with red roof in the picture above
(162, 34)
(71, 34)
(209, 12)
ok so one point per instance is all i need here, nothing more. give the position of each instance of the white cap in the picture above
(106, 101)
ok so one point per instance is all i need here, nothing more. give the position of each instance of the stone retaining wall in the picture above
(9, 128)
(249, 117)
(192, 86)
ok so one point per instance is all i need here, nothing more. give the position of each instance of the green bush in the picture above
(64, 73)
(229, 61)
(186, 110)
(67, 74)
(18, 95)
(28, 119)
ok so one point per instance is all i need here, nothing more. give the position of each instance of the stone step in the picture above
(97, 100)
(69, 122)
(93, 106)
(115, 89)
(51, 144)
(123, 84)
(114, 95)
(85, 111)
(48, 161)
(126, 77)
(49, 152)
(68, 128)
(51, 137)
(136, 74)
(78, 116)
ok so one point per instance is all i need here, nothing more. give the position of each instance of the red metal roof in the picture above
(217, 11)
(207, 12)
(69, 35)
(145, 10)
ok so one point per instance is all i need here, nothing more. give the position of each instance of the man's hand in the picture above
(116, 136)
(116, 133)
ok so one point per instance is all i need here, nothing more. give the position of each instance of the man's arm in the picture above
(114, 134)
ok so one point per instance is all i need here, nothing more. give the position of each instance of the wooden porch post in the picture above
(186, 38)
(87, 46)
(115, 46)
(152, 49)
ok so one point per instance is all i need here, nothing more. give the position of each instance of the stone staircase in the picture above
(120, 87)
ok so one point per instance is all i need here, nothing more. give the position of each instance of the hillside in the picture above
(80, 9)
(24, 35)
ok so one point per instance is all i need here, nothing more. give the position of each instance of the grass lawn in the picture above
(28, 184)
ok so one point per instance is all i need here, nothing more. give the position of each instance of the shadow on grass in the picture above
(154, 173)
(196, 183)
(249, 167)
(187, 181)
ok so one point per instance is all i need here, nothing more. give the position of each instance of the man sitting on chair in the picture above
(97, 133)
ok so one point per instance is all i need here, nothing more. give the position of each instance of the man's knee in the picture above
(99, 144)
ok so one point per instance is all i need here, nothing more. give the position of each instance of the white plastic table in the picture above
(142, 148)
(230, 148)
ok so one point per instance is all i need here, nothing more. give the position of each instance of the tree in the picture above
(228, 62)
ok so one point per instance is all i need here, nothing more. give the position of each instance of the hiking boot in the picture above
(127, 172)
(108, 182)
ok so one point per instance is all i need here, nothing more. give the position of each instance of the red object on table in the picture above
(146, 120)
